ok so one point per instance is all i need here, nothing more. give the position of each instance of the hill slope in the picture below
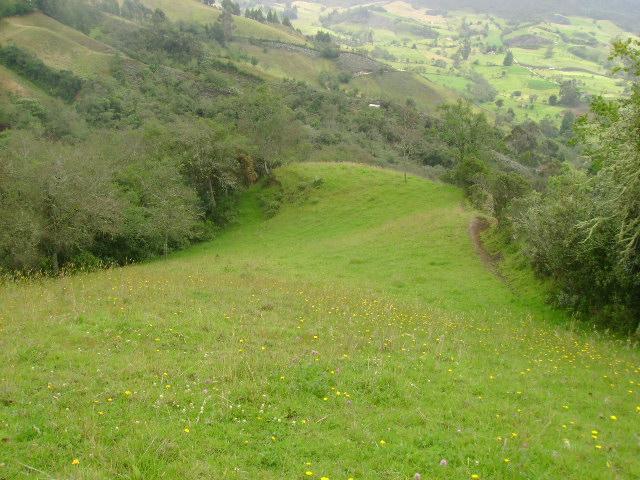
(355, 334)
(57, 45)
(280, 54)
(197, 12)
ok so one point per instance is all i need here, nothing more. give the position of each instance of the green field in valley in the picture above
(577, 50)
(345, 327)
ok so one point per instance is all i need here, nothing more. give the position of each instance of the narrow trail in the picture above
(476, 227)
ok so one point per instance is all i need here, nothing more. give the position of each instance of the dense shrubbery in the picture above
(15, 7)
(116, 197)
(584, 231)
(59, 83)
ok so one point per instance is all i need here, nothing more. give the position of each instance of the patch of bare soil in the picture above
(476, 227)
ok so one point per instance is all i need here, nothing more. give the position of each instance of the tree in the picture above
(66, 196)
(548, 54)
(272, 17)
(480, 89)
(504, 188)
(569, 94)
(269, 125)
(255, 14)
(231, 7)
(465, 51)
(216, 32)
(568, 120)
(466, 132)
(508, 59)
(226, 26)
(207, 155)
(158, 16)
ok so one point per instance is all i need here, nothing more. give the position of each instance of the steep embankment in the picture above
(355, 334)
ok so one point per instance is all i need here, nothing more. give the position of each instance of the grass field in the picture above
(57, 45)
(355, 334)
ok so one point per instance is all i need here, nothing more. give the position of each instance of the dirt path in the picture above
(476, 227)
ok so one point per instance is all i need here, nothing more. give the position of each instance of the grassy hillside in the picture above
(61, 47)
(12, 83)
(400, 86)
(57, 45)
(355, 334)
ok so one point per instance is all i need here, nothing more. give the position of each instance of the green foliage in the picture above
(135, 10)
(9, 8)
(326, 45)
(508, 59)
(480, 89)
(115, 197)
(230, 6)
(468, 133)
(570, 95)
(255, 14)
(584, 232)
(165, 39)
(77, 14)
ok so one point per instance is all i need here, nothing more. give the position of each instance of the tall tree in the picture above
(508, 59)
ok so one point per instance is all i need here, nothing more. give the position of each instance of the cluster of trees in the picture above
(270, 17)
(480, 89)
(16, 7)
(326, 45)
(58, 83)
(583, 232)
(115, 198)
(232, 7)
